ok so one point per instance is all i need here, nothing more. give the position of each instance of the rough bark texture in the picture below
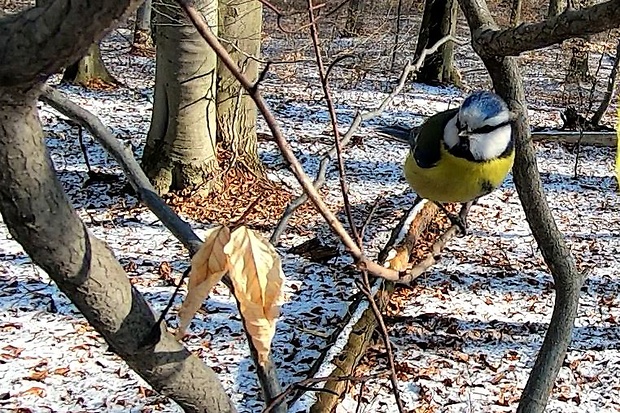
(572, 23)
(180, 147)
(508, 84)
(438, 21)
(39, 216)
(41, 40)
(240, 26)
(89, 70)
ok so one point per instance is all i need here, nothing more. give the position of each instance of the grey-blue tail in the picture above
(401, 133)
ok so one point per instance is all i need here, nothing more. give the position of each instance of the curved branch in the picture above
(571, 23)
(39, 41)
(508, 84)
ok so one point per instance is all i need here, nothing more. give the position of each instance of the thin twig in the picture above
(360, 117)
(314, 380)
(360, 259)
(332, 115)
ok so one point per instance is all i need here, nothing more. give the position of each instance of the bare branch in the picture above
(509, 84)
(331, 219)
(180, 229)
(514, 41)
(319, 180)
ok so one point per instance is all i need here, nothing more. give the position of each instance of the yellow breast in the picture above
(456, 179)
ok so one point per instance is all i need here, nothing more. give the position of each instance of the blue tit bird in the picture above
(460, 154)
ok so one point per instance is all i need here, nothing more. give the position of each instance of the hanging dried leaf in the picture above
(256, 272)
(209, 265)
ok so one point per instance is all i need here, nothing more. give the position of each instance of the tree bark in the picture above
(556, 7)
(39, 216)
(142, 40)
(609, 92)
(90, 70)
(352, 25)
(180, 150)
(438, 21)
(240, 23)
(508, 83)
(515, 12)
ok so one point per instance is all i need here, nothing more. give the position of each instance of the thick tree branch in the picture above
(508, 84)
(38, 215)
(39, 41)
(571, 23)
(138, 180)
(267, 374)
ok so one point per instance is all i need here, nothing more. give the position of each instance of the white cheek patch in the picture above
(451, 133)
(487, 146)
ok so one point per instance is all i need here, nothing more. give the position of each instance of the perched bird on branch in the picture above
(460, 154)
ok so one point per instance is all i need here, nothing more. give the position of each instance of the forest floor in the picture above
(466, 333)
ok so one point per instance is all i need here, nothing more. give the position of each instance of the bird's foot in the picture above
(459, 220)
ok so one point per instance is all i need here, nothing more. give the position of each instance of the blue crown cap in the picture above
(487, 102)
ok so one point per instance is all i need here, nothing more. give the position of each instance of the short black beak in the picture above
(463, 142)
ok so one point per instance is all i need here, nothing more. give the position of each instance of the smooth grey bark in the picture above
(38, 214)
(240, 23)
(508, 83)
(180, 150)
(571, 23)
(438, 21)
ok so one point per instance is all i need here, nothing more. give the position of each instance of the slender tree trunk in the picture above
(142, 40)
(180, 150)
(609, 92)
(438, 21)
(515, 12)
(90, 70)
(39, 216)
(355, 8)
(240, 27)
(556, 7)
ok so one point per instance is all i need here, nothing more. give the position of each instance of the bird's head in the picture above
(481, 129)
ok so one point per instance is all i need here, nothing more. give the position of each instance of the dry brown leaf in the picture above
(209, 265)
(256, 272)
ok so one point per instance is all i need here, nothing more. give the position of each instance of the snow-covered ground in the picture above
(466, 333)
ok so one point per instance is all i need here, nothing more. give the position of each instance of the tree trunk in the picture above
(180, 150)
(353, 23)
(556, 7)
(38, 215)
(609, 92)
(89, 71)
(142, 40)
(515, 12)
(438, 21)
(240, 27)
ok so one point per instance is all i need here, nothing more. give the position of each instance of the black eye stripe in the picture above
(490, 128)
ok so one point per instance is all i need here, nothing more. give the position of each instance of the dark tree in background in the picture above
(89, 71)
(438, 21)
